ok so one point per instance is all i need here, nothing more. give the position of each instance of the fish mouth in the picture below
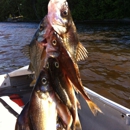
(45, 89)
(53, 54)
(51, 51)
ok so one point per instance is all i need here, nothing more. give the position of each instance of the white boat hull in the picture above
(115, 117)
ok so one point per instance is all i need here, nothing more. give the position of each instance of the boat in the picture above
(15, 19)
(114, 117)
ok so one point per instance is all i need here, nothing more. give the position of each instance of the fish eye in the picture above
(56, 64)
(47, 65)
(65, 13)
(54, 42)
(44, 81)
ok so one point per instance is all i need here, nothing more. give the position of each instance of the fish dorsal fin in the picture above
(26, 51)
(82, 52)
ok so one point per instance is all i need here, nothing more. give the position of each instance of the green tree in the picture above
(80, 9)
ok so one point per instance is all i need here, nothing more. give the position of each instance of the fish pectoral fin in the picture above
(81, 52)
(26, 51)
(32, 84)
(93, 107)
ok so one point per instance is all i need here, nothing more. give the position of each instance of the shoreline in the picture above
(105, 21)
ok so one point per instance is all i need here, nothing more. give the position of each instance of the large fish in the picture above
(56, 71)
(71, 70)
(59, 17)
(44, 106)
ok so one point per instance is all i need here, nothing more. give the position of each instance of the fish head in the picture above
(59, 15)
(54, 42)
(43, 83)
(52, 46)
(53, 66)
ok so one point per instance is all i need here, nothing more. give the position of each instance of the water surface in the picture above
(107, 69)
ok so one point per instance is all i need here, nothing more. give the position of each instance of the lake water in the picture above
(107, 69)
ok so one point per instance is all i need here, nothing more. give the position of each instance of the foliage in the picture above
(80, 9)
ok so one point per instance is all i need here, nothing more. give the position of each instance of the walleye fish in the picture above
(70, 68)
(59, 16)
(56, 71)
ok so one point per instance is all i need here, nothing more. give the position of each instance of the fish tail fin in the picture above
(78, 104)
(77, 125)
(94, 108)
(68, 103)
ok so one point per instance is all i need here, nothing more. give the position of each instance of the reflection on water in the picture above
(107, 69)
(12, 37)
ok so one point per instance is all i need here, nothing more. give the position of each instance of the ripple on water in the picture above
(107, 69)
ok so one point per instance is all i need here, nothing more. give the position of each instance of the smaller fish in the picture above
(41, 109)
(64, 114)
(66, 85)
(44, 106)
(53, 70)
(35, 51)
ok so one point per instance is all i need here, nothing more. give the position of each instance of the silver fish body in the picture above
(41, 109)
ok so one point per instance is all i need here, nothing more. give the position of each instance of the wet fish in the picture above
(62, 84)
(59, 16)
(53, 70)
(56, 71)
(41, 109)
(70, 68)
(64, 114)
(44, 106)
(35, 51)
(23, 122)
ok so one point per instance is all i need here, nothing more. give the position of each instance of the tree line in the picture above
(80, 9)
